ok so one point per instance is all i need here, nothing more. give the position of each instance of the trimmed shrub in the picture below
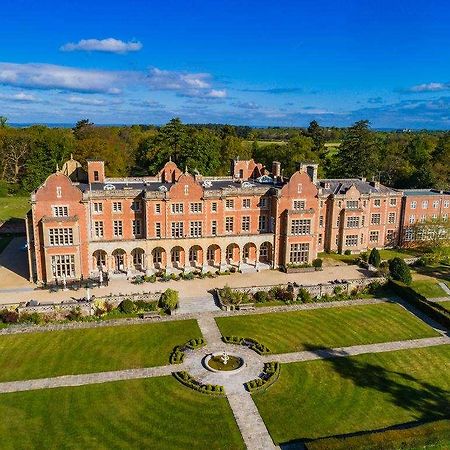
(304, 296)
(261, 297)
(189, 381)
(317, 263)
(142, 305)
(374, 258)
(74, 314)
(169, 300)
(9, 316)
(127, 306)
(347, 252)
(400, 271)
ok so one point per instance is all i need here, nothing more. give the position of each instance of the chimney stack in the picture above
(276, 169)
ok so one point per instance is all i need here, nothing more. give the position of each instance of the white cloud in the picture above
(109, 45)
(430, 87)
(19, 97)
(177, 81)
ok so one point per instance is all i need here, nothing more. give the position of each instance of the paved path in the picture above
(357, 350)
(250, 423)
(189, 305)
(209, 329)
(444, 287)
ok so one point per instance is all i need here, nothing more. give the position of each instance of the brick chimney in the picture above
(276, 169)
(96, 171)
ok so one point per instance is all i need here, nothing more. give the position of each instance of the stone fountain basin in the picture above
(214, 363)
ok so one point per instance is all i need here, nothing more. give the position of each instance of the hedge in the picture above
(189, 381)
(430, 434)
(431, 309)
(253, 344)
(177, 355)
(271, 373)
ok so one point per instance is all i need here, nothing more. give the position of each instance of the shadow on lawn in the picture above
(424, 400)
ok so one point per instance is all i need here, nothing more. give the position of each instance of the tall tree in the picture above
(315, 132)
(358, 154)
(3, 121)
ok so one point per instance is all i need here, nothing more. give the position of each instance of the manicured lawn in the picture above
(385, 254)
(367, 392)
(428, 289)
(331, 327)
(11, 207)
(136, 414)
(48, 354)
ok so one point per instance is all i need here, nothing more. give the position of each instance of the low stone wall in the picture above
(316, 290)
(115, 300)
(85, 308)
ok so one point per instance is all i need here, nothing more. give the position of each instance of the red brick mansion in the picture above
(81, 223)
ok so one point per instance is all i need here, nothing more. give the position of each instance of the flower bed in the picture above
(189, 381)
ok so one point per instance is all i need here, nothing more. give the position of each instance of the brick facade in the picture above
(179, 221)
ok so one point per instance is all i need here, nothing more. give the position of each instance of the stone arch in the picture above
(177, 257)
(265, 252)
(159, 258)
(100, 260)
(195, 256)
(119, 260)
(138, 258)
(249, 252)
(232, 254)
(213, 255)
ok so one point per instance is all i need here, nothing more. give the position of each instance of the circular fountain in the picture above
(223, 362)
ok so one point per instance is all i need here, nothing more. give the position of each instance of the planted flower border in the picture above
(189, 381)
(178, 352)
(253, 344)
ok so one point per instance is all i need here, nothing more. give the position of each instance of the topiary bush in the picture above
(374, 258)
(127, 306)
(317, 263)
(347, 252)
(169, 300)
(304, 296)
(400, 271)
(261, 297)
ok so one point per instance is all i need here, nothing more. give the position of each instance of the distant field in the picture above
(330, 327)
(13, 207)
(49, 354)
(367, 392)
(263, 143)
(136, 414)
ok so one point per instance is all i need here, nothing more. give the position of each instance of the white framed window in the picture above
(299, 188)
(263, 202)
(98, 207)
(158, 229)
(445, 217)
(214, 207)
(390, 235)
(319, 241)
(229, 203)
(446, 203)
(60, 236)
(157, 256)
(158, 208)
(229, 224)
(63, 265)
(118, 228)
(377, 202)
(177, 229)
(321, 221)
(196, 207)
(246, 203)
(262, 223)
(409, 234)
(186, 189)
(413, 204)
(245, 223)
(300, 227)
(299, 253)
(392, 202)
(58, 192)
(352, 204)
(436, 204)
(352, 222)
(117, 207)
(391, 217)
(412, 219)
(136, 205)
(137, 227)
(177, 208)
(363, 220)
(298, 205)
(60, 211)
(375, 219)
(98, 228)
(195, 228)
(425, 204)
(373, 236)
(423, 218)
(214, 227)
(351, 240)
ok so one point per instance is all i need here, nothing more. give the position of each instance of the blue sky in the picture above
(242, 62)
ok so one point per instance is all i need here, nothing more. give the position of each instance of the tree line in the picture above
(399, 159)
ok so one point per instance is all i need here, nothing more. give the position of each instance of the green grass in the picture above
(136, 414)
(367, 392)
(331, 327)
(48, 354)
(13, 207)
(385, 254)
(429, 289)
(445, 304)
